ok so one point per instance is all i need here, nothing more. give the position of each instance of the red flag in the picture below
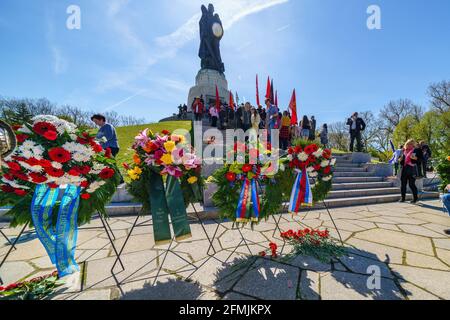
(272, 96)
(257, 92)
(268, 88)
(217, 99)
(276, 98)
(293, 108)
(231, 101)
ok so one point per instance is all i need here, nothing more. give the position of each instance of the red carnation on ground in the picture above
(7, 188)
(107, 173)
(231, 177)
(20, 192)
(53, 172)
(21, 137)
(85, 196)
(13, 166)
(50, 135)
(247, 168)
(42, 127)
(37, 178)
(59, 155)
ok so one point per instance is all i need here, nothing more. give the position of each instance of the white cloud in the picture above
(283, 28)
(59, 61)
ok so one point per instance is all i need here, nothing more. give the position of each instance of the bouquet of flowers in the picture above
(35, 289)
(165, 157)
(248, 189)
(54, 153)
(308, 161)
(315, 243)
(53, 157)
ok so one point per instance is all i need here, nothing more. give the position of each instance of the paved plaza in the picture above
(406, 243)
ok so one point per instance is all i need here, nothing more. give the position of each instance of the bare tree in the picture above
(338, 136)
(440, 95)
(395, 111)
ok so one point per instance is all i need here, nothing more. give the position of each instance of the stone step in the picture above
(362, 193)
(348, 165)
(345, 202)
(357, 179)
(362, 185)
(353, 174)
(349, 169)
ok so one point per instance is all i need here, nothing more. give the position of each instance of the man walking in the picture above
(357, 126)
(106, 134)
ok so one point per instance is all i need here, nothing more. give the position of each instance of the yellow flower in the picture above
(192, 180)
(169, 146)
(182, 139)
(167, 159)
(133, 175)
(138, 170)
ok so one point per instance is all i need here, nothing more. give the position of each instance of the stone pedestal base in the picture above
(205, 84)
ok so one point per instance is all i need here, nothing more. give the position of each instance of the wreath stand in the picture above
(164, 252)
(105, 226)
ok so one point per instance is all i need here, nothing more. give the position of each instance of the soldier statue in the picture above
(211, 32)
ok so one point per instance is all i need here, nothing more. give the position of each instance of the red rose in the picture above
(20, 192)
(7, 188)
(85, 196)
(327, 170)
(247, 168)
(50, 135)
(42, 127)
(74, 172)
(37, 178)
(231, 177)
(57, 173)
(84, 184)
(21, 137)
(107, 173)
(13, 166)
(59, 155)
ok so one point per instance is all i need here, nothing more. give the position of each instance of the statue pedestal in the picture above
(205, 84)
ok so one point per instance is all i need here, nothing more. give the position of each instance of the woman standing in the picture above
(408, 173)
(305, 126)
(285, 131)
(256, 119)
(324, 136)
(214, 115)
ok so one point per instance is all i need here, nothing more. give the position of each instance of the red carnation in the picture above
(59, 155)
(311, 148)
(7, 188)
(327, 154)
(85, 196)
(165, 132)
(20, 192)
(33, 162)
(13, 166)
(52, 185)
(37, 178)
(96, 147)
(8, 176)
(84, 184)
(298, 149)
(84, 170)
(327, 170)
(231, 176)
(57, 173)
(290, 150)
(45, 163)
(20, 176)
(74, 172)
(107, 173)
(42, 127)
(247, 168)
(21, 137)
(50, 135)
(108, 153)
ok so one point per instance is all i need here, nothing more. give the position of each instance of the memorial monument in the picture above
(7, 141)
(212, 68)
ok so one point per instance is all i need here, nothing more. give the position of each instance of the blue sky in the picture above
(139, 57)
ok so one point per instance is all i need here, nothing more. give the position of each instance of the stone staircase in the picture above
(356, 182)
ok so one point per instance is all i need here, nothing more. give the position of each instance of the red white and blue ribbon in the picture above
(248, 209)
(301, 195)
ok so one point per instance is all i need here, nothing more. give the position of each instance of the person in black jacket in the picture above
(357, 125)
(408, 161)
(426, 156)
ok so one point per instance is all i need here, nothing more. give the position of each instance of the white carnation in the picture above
(303, 156)
(333, 161)
(313, 174)
(318, 153)
(290, 157)
(325, 163)
(310, 169)
(57, 165)
(327, 178)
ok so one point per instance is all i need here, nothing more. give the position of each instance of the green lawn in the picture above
(126, 136)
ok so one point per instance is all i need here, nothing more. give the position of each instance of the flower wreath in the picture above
(55, 153)
(247, 193)
(318, 163)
